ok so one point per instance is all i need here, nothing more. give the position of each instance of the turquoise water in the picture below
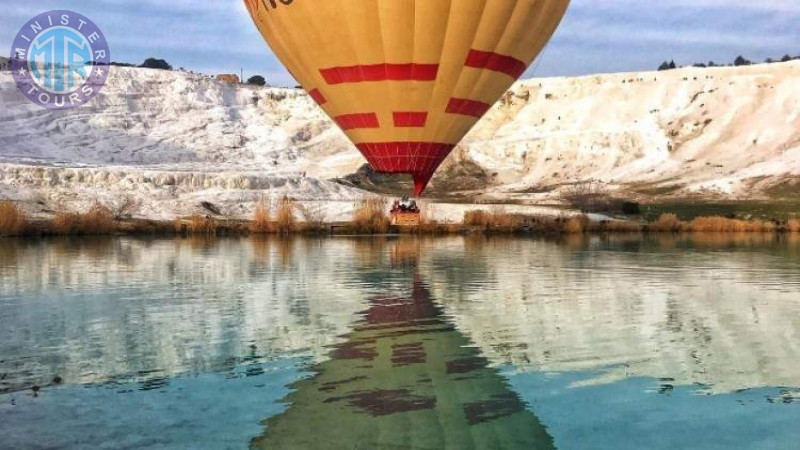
(350, 343)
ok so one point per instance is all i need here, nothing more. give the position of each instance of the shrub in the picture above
(284, 217)
(370, 216)
(631, 208)
(666, 222)
(12, 220)
(262, 220)
(154, 63)
(793, 225)
(257, 80)
(588, 196)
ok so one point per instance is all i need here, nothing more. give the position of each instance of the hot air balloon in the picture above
(406, 79)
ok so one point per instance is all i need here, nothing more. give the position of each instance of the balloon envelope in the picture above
(406, 79)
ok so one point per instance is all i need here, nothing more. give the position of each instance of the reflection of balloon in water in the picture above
(407, 79)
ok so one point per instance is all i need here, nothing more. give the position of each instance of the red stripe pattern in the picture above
(466, 107)
(420, 159)
(496, 62)
(380, 72)
(318, 97)
(410, 119)
(354, 121)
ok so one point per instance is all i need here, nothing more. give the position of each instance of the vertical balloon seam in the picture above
(477, 106)
(441, 126)
(450, 92)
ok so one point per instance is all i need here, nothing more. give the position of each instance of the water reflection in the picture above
(458, 341)
(404, 378)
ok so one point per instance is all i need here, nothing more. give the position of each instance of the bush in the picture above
(667, 223)
(153, 63)
(12, 221)
(257, 80)
(631, 208)
(793, 225)
(587, 197)
(370, 216)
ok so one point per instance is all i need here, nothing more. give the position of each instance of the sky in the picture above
(596, 36)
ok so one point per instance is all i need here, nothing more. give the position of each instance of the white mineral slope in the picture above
(175, 139)
(171, 140)
(725, 131)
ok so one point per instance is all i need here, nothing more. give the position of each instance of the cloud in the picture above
(596, 35)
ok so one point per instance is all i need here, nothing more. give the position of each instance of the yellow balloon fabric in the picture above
(406, 79)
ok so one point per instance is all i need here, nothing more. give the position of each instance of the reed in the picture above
(369, 216)
(198, 224)
(262, 220)
(476, 218)
(284, 217)
(13, 221)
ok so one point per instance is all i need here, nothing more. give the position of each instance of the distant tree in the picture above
(700, 65)
(769, 61)
(741, 61)
(153, 63)
(667, 66)
(257, 80)
(786, 58)
(712, 64)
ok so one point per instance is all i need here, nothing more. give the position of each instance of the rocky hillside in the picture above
(173, 138)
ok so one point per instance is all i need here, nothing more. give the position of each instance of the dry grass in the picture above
(12, 221)
(719, 224)
(574, 226)
(198, 224)
(370, 216)
(793, 226)
(313, 217)
(497, 220)
(97, 221)
(621, 226)
(262, 219)
(284, 218)
(476, 218)
(667, 223)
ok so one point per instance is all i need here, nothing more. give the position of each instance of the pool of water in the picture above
(671, 342)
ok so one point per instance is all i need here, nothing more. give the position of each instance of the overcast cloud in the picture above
(217, 36)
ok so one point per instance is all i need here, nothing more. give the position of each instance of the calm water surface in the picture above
(373, 343)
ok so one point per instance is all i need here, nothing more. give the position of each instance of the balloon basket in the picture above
(405, 218)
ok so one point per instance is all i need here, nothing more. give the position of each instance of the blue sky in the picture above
(217, 36)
